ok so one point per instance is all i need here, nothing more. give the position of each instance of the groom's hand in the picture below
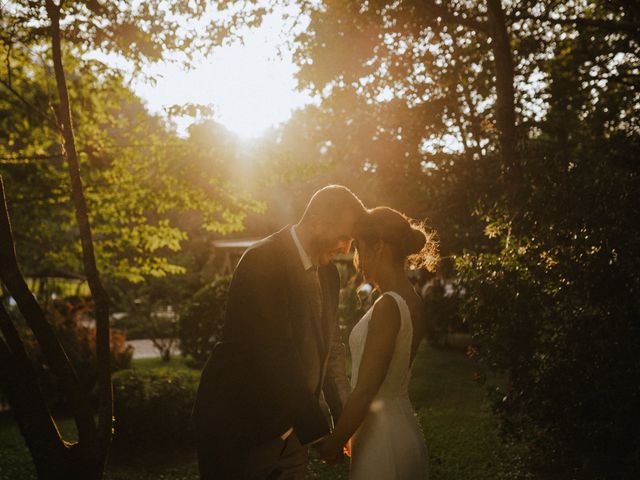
(328, 450)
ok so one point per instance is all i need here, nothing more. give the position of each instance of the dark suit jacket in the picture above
(275, 358)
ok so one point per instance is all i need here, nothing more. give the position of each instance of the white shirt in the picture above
(304, 257)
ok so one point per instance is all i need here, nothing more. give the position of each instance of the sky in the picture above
(252, 86)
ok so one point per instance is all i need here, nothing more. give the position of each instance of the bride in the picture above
(378, 424)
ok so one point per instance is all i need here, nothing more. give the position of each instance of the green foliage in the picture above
(406, 117)
(153, 407)
(554, 304)
(139, 33)
(148, 190)
(554, 309)
(568, 343)
(408, 114)
(201, 324)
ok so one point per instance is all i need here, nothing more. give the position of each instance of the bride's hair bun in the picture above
(422, 247)
(409, 240)
(415, 241)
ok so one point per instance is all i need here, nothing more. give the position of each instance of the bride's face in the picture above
(368, 259)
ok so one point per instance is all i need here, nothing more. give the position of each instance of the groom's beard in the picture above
(323, 251)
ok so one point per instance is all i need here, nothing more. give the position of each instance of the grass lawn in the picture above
(177, 362)
(460, 431)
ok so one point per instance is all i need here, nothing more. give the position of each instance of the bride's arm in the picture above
(380, 343)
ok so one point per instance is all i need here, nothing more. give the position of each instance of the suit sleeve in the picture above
(336, 387)
(258, 296)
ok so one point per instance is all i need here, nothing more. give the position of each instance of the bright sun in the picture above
(249, 85)
(250, 89)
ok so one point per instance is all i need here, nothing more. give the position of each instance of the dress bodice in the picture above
(398, 375)
(389, 443)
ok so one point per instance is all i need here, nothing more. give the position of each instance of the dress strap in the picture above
(404, 340)
(405, 312)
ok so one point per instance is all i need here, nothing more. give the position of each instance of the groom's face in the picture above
(333, 238)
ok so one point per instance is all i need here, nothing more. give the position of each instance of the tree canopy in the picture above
(511, 126)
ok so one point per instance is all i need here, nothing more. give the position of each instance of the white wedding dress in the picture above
(389, 444)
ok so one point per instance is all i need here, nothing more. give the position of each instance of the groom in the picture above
(264, 391)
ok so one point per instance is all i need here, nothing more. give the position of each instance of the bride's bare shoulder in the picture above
(385, 316)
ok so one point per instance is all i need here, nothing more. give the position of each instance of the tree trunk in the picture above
(505, 101)
(98, 293)
(166, 354)
(52, 456)
(19, 383)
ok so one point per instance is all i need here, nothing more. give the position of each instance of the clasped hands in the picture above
(330, 451)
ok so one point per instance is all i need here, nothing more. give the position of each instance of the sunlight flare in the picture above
(250, 85)
(250, 88)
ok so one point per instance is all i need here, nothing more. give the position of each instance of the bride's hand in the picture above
(329, 451)
(347, 448)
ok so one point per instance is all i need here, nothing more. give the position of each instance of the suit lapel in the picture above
(297, 276)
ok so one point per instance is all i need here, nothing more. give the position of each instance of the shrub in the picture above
(201, 325)
(120, 351)
(72, 322)
(153, 406)
(563, 327)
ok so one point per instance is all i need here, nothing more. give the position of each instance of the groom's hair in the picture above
(332, 201)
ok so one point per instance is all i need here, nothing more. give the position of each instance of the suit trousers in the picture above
(275, 459)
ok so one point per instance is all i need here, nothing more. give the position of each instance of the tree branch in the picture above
(19, 382)
(433, 9)
(603, 24)
(98, 293)
(505, 92)
(44, 333)
(12, 338)
(31, 107)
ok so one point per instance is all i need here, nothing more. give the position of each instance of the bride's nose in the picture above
(345, 246)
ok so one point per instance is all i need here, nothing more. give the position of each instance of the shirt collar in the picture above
(306, 261)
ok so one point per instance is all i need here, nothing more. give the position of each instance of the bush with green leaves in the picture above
(200, 327)
(73, 325)
(153, 406)
(554, 301)
(556, 308)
